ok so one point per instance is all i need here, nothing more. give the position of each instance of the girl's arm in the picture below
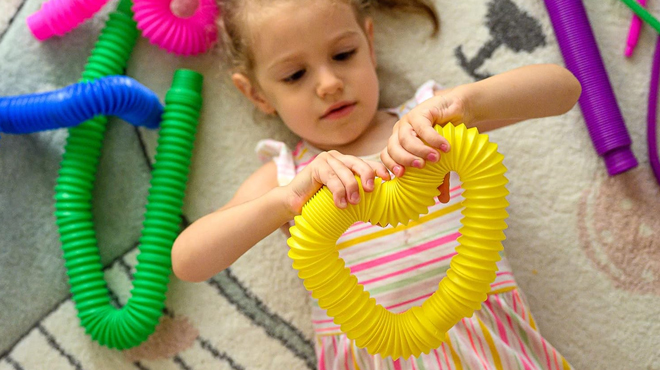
(215, 241)
(260, 207)
(533, 91)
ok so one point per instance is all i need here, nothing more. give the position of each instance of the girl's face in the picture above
(315, 66)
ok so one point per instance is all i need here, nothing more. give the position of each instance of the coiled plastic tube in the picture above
(57, 17)
(182, 36)
(598, 103)
(131, 325)
(420, 329)
(114, 95)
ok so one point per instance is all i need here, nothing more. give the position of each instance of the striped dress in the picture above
(401, 267)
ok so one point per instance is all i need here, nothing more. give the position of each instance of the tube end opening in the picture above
(619, 160)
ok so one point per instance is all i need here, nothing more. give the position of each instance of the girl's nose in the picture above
(328, 83)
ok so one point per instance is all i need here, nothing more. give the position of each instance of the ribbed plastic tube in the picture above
(57, 17)
(129, 326)
(183, 36)
(598, 103)
(137, 320)
(314, 252)
(114, 95)
(652, 113)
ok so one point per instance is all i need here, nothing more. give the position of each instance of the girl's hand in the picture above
(337, 172)
(408, 144)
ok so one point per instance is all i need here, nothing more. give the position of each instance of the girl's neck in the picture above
(373, 139)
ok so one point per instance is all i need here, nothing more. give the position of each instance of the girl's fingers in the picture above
(423, 124)
(349, 191)
(354, 166)
(366, 171)
(391, 164)
(419, 152)
(394, 163)
(336, 187)
(397, 148)
(324, 174)
(380, 170)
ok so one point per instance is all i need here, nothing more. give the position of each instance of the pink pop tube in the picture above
(633, 33)
(183, 36)
(57, 17)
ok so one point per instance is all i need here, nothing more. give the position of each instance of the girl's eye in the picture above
(344, 56)
(295, 77)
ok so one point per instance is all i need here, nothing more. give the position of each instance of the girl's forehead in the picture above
(299, 16)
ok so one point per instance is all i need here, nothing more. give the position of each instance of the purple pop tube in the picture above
(598, 103)
(652, 115)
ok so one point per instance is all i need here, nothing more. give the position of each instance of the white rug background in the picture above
(582, 245)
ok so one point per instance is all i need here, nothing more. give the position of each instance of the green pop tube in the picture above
(136, 321)
(643, 14)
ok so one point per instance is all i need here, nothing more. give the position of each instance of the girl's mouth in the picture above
(339, 110)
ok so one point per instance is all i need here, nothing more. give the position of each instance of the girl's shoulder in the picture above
(285, 160)
(257, 184)
(423, 92)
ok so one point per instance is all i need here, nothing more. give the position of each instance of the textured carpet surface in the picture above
(585, 247)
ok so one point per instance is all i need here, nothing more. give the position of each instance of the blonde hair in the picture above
(235, 44)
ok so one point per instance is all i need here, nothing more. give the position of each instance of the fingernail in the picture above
(398, 170)
(342, 202)
(355, 197)
(432, 157)
(444, 147)
(417, 163)
(370, 184)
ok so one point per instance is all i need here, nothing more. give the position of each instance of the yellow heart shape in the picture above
(313, 244)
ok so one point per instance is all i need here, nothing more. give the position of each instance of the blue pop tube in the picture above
(119, 96)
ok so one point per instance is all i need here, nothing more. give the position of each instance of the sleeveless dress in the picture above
(401, 267)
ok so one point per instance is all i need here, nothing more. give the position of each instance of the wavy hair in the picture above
(234, 35)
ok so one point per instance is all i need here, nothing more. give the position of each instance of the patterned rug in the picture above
(585, 247)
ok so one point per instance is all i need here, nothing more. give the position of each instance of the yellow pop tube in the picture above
(313, 247)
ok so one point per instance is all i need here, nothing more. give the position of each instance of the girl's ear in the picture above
(244, 85)
(369, 30)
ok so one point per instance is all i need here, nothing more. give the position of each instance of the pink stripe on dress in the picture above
(437, 357)
(322, 359)
(444, 353)
(408, 301)
(402, 254)
(297, 149)
(547, 355)
(474, 347)
(408, 269)
(502, 283)
(346, 349)
(479, 339)
(500, 325)
(364, 227)
(554, 354)
(526, 360)
(322, 321)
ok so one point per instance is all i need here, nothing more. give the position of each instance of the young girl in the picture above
(312, 63)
